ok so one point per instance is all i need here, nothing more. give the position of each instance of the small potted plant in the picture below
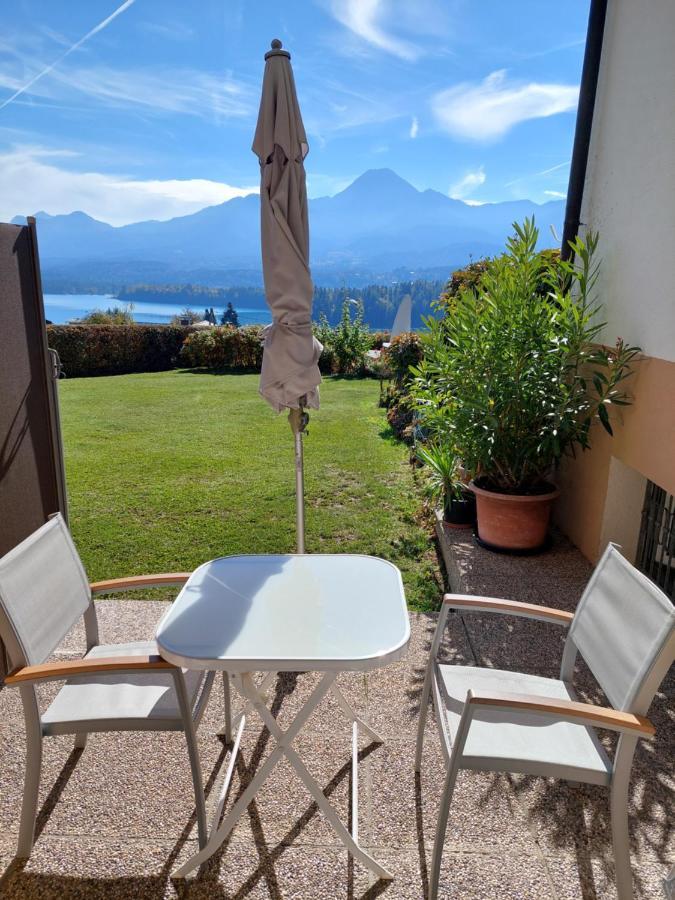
(518, 377)
(446, 484)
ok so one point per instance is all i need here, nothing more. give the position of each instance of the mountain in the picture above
(380, 229)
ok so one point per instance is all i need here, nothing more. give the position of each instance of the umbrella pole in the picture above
(298, 420)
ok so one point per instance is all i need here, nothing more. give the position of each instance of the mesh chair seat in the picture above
(516, 741)
(123, 701)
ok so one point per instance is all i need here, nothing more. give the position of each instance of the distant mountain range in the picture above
(379, 230)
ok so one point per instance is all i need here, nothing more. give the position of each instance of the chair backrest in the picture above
(43, 592)
(624, 628)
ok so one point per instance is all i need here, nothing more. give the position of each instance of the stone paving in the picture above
(116, 819)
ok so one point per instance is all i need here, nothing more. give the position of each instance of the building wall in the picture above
(629, 198)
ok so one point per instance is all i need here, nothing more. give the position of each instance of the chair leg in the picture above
(424, 709)
(441, 826)
(80, 740)
(227, 702)
(31, 787)
(193, 754)
(448, 789)
(619, 815)
(428, 675)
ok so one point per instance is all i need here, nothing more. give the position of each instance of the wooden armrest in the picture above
(134, 582)
(68, 668)
(567, 710)
(470, 603)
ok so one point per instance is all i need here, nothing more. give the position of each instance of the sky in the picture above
(145, 109)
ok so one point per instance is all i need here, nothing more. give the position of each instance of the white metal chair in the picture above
(117, 687)
(498, 721)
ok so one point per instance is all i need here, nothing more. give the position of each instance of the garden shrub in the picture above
(115, 349)
(405, 351)
(345, 344)
(224, 347)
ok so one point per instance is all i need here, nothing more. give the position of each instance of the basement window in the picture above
(656, 544)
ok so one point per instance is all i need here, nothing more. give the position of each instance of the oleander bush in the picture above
(116, 349)
(516, 376)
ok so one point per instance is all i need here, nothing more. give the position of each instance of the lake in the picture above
(61, 308)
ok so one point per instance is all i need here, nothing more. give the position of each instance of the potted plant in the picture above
(515, 372)
(445, 484)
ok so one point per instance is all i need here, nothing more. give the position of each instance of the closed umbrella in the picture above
(290, 373)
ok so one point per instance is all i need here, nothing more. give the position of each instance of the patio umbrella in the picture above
(290, 372)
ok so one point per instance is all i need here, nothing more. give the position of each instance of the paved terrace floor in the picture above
(117, 818)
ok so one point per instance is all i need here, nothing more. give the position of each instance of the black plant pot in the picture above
(461, 513)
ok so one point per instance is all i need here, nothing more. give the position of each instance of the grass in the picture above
(168, 469)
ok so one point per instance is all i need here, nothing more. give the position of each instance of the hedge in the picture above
(116, 349)
(224, 347)
(87, 350)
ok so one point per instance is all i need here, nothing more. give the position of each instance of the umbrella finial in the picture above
(276, 50)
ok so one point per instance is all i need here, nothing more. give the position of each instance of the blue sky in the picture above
(146, 108)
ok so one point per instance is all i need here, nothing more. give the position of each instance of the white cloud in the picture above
(471, 180)
(488, 110)
(558, 195)
(364, 19)
(414, 127)
(31, 181)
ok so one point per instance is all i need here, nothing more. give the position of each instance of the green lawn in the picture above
(168, 469)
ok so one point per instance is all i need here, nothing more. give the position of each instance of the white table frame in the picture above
(255, 697)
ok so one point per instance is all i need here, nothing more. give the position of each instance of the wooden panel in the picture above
(139, 581)
(585, 713)
(68, 668)
(509, 607)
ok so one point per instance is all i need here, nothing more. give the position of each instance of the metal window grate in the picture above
(656, 544)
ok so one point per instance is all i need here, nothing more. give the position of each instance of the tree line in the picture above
(380, 302)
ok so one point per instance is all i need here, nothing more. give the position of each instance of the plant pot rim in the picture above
(521, 498)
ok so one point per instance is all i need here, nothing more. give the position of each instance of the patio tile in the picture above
(555, 578)
(585, 877)
(246, 871)
(568, 817)
(422, 627)
(394, 695)
(119, 621)
(128, 783)
(484, 814)
(61, 868)
(464, 876)
(284, 810)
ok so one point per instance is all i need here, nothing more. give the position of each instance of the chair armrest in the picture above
(134, 582)
(469, 603)
(566, 711)
(69, 668)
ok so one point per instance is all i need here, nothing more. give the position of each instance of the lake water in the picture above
(61, 308)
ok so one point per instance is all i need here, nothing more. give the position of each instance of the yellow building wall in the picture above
(644, 440)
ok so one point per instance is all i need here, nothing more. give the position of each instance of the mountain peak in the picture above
(377, 181)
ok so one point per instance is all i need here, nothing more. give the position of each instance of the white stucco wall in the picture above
(629, 195)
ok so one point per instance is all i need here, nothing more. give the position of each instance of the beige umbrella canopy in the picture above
(290, 368)
(290, 372)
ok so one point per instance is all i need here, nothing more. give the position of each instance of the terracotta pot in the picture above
(517, 522)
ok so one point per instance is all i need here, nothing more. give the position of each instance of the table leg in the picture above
(349, 840)
(351, 715)
(254, 697)
(246, 686)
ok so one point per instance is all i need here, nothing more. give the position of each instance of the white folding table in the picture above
(300, 613)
